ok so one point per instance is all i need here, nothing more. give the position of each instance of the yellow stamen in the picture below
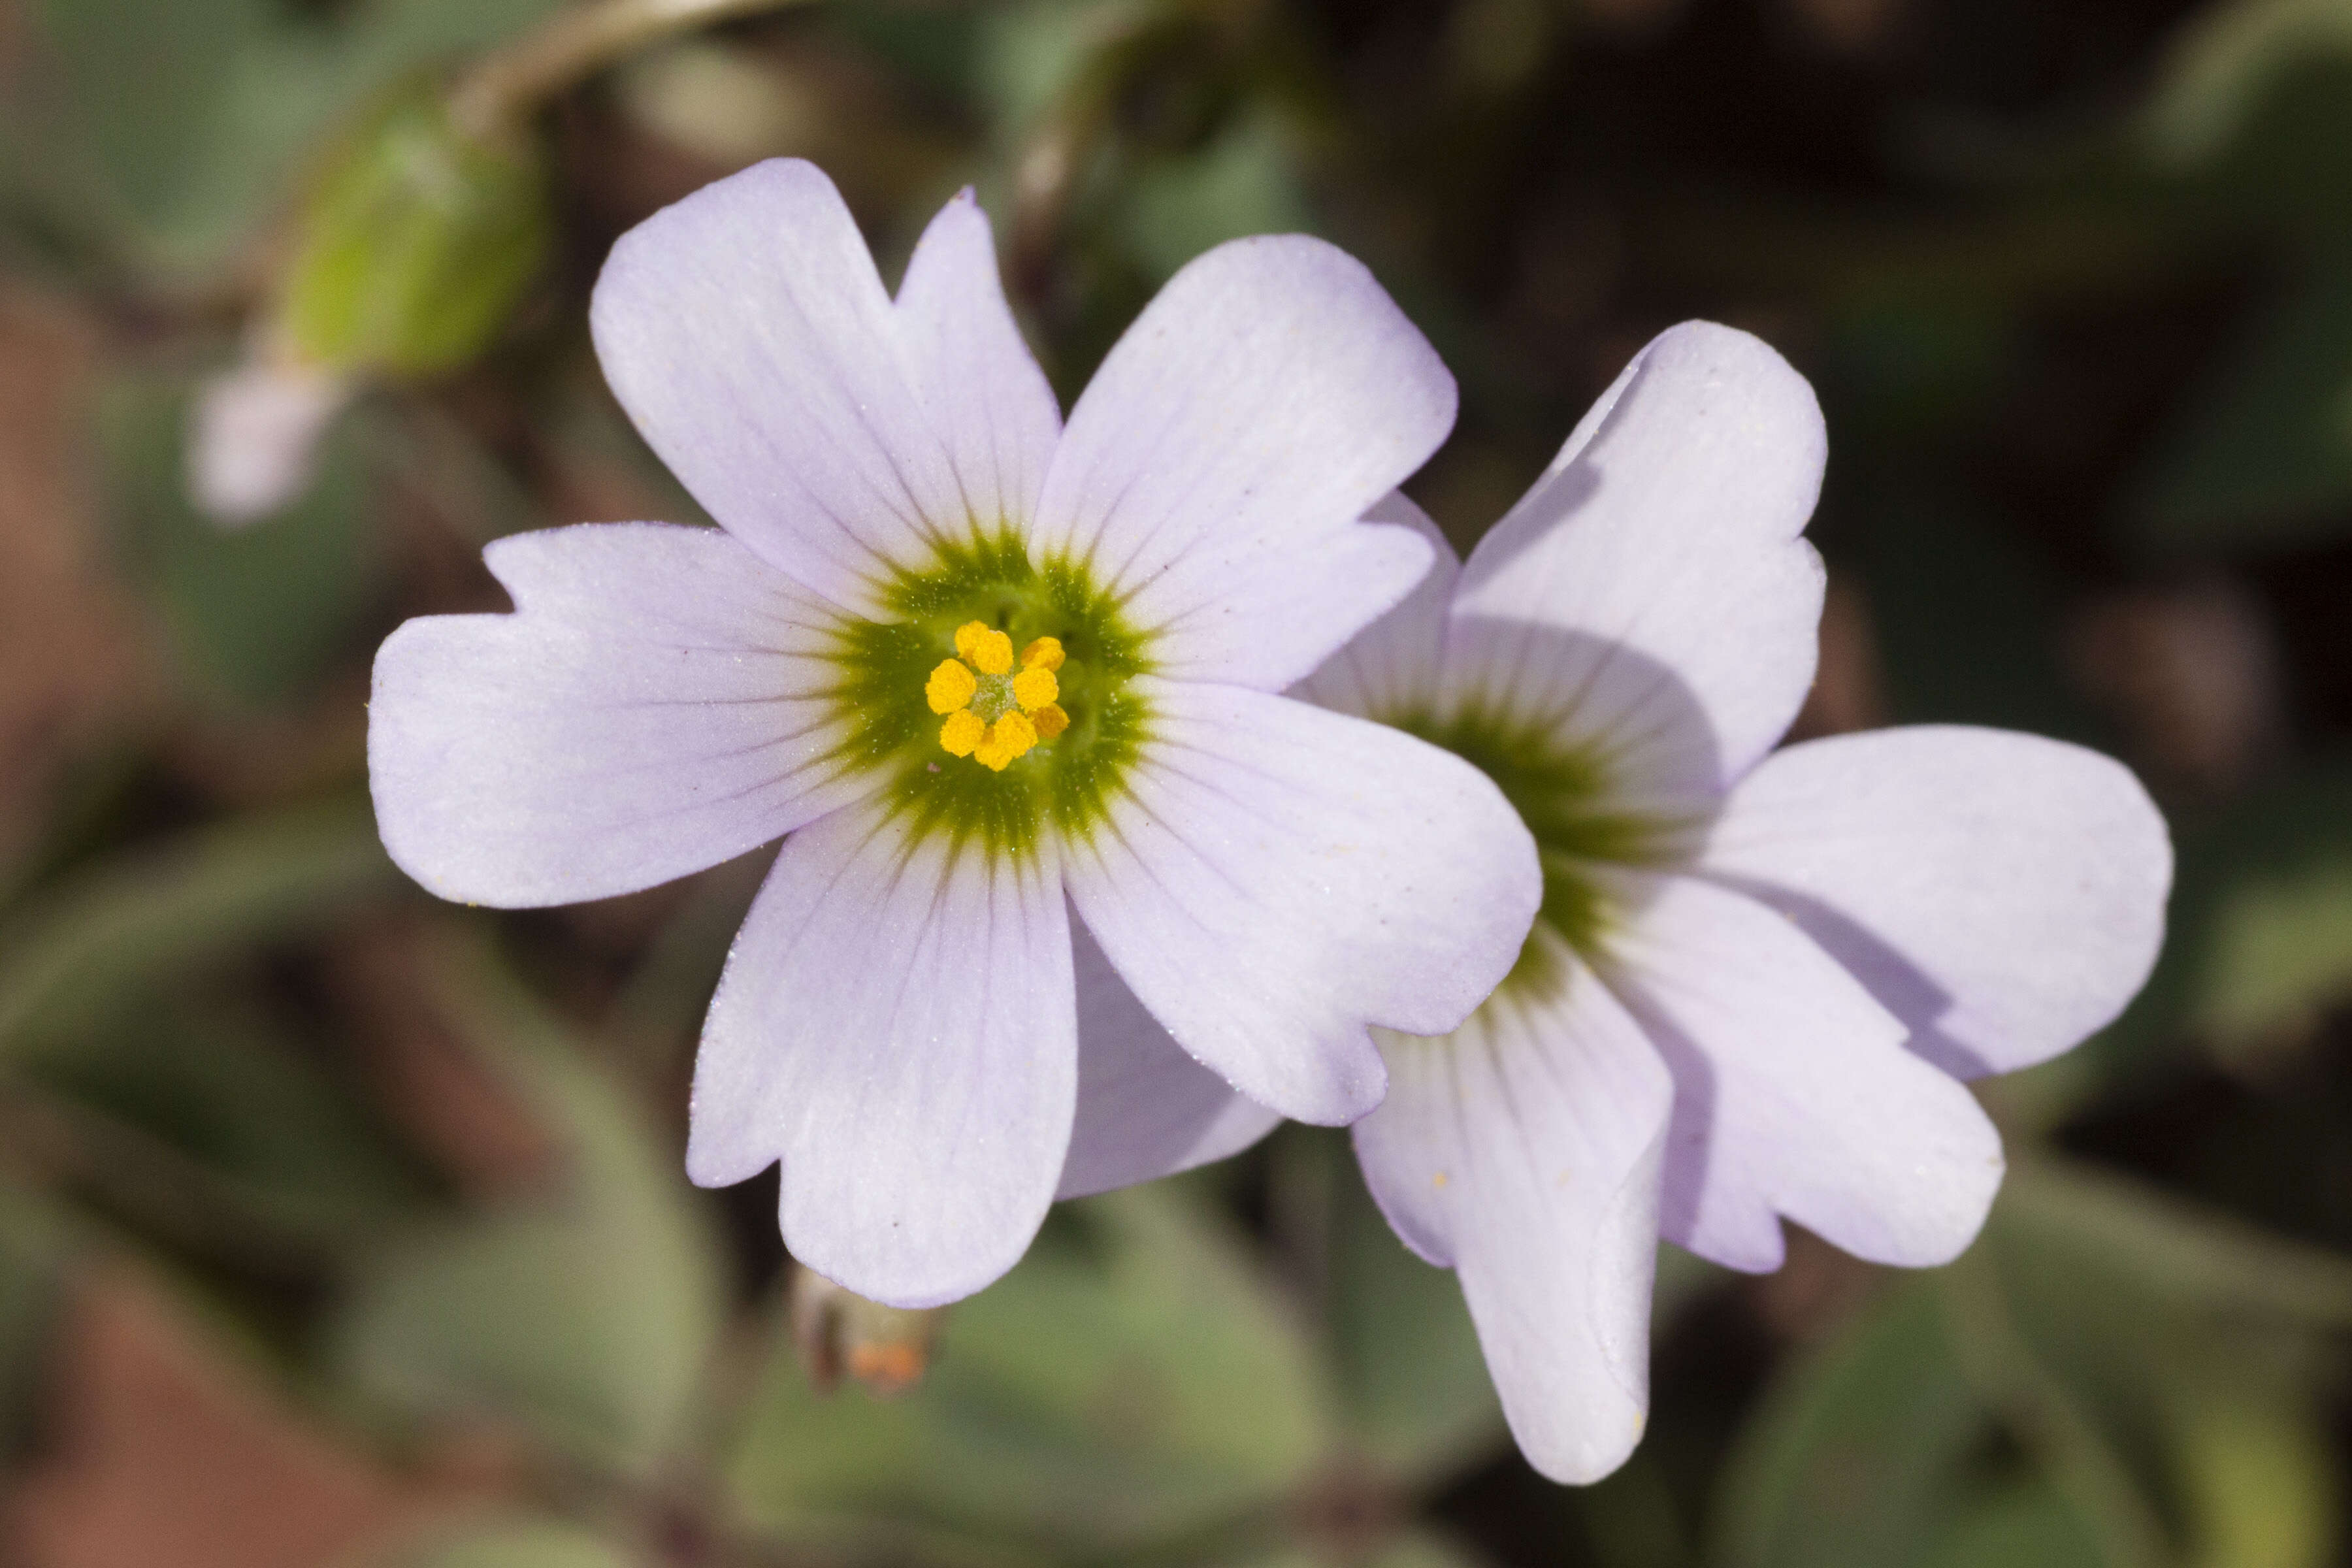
(994, 714)
(962, 733)
(989, 650)
(1034, 688)
(1008, 738)
(951, 687)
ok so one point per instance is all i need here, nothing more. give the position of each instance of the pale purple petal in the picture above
(895, 1024)
(1524, 1150)
(1276, 878)
(978, 381)
(1145, 1109)
(1793, 1094)
(1215, 471)
(1651, 593)
(1389, 671)
(2001, 894)
(747, 333)
(647, 711)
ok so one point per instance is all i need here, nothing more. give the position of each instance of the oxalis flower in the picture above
(1759, 977)
(985, 672)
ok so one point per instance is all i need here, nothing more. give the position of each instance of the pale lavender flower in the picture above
(976, 664)
(1759, 978)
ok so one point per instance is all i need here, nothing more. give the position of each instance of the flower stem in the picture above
(509, 84)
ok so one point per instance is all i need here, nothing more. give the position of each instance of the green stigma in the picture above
(964, 778)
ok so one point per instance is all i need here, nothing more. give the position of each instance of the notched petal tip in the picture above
(717, 1158)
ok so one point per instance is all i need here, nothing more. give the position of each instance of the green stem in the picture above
(512, 82)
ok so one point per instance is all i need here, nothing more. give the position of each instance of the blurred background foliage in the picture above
(341, 1226)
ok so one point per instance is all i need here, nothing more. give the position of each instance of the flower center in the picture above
(997, 714)
(987, 657)
(1577, 816)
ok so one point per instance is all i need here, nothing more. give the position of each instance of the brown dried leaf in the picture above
(72, 655)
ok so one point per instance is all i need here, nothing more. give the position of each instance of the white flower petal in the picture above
(747, 333)
(2003, 894)
(895, 1024)
(981, 387)
(1391, 669)
(1793, 1094)
(1654, 576)
(643, 713)
(1524, 1148)
(1215, 471)
(1276, 876)
(1145, 1109)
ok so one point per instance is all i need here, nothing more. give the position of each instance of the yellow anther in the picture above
(1034, 688)
(967, 691)
(1009, 737)
(962, 733)
(950, 687)
(990, 650)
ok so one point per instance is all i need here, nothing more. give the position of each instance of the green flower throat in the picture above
(1067, 766)
(1564, 794)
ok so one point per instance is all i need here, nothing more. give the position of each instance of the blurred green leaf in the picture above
(1424, 1549)
(938, 46)
(191, 120)
(260, 611)
(514, 1544)
(182, 1102)
(1031, 53)
(417, 242)
(152, 90)
(1854, 1457)
(2260, 1479)
(2228, 963)
(2226, 59)
(1126, 1385)
(1245, 182)
(2172, 1252)
(1409, 1549)
(2281, 949)
(2040, 1340)
(2263, 459)
(2029, 1525)
(119, 928)
(1965, 613)
(36, 1246)
(2151, 1352)
(589, 1317)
